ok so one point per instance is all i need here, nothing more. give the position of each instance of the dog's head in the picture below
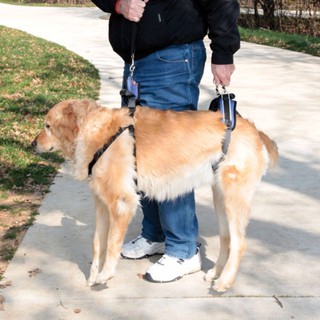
(61, 127)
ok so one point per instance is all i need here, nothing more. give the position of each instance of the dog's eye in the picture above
(47, 126)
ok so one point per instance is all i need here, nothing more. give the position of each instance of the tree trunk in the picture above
(268, 7)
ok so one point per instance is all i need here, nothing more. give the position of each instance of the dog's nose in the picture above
(34, 143)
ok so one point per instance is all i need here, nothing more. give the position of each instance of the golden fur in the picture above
(174, 154)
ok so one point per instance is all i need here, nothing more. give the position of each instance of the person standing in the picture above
(169, 62)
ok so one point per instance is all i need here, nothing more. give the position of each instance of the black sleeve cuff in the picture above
(106, 5)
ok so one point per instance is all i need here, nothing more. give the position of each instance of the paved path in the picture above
(279, 277)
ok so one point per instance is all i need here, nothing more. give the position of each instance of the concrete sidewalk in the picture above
(279, 277)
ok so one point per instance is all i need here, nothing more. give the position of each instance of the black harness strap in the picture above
(134, 29)
(225, 147)
(130, 96)
(100, 151)
(129, 99)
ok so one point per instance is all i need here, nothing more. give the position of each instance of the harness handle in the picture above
(227, 105)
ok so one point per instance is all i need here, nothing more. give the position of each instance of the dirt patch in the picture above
(17, 213)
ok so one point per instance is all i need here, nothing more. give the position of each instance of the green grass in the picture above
(34, 75)
(7, 254)
(293, 42)
(13, 232)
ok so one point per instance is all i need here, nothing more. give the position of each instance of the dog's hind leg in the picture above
(218, 199)
(100, 240)
(237, 189)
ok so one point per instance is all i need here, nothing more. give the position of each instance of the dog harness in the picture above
(227, 105)
(100, 151)
(130, 95)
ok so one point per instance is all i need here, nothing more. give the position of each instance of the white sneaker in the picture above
(169, 269)
(140, 248)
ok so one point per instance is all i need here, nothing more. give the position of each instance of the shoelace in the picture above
(135, 240)
(140, 237)
(180, 261)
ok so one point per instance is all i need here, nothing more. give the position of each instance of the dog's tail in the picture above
(271, 147)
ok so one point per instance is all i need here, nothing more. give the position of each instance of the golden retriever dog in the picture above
(175, 153)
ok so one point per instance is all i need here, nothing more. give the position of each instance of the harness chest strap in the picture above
(100, 151)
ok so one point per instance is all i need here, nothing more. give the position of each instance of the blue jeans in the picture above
(169, 79)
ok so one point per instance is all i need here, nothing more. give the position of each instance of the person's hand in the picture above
(222, 73)
(131, 9)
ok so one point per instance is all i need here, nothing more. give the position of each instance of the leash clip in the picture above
(223, 88)
(132, 66)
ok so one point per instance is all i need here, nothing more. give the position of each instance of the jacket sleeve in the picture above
(222, 18)
(106, 5)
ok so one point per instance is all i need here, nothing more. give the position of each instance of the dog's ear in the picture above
(65, 120)
(68, 126)
(82, 108)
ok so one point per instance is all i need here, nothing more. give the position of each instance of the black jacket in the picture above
(168, 22)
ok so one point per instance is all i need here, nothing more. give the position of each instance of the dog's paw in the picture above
(93, 275)
(90, 282)
(100, 279)
(211, 275)
(103, 278)
(221, 286)
(220, 283)
(96, 278)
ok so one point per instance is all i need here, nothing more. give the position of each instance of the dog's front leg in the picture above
(100, 240)
(119, 221)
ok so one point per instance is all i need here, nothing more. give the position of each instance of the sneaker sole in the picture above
(148, 277)
(140, 258)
